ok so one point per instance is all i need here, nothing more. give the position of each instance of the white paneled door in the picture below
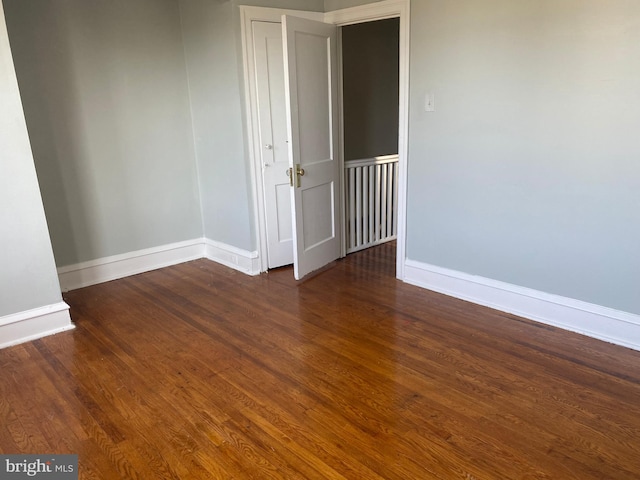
(310, 61)
(274, 153)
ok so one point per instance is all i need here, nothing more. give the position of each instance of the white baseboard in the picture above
(131, 263)
(33, 324)
(595, 321)
(119, 266)
(236, 258)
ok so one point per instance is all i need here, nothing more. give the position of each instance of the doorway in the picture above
(370, 86)
(397, 10)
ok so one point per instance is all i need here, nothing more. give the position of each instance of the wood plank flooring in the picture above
(200, 372)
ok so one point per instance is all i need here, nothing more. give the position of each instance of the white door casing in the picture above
(311, 86)
(274, 152)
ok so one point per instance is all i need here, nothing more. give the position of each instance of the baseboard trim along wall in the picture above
(592, 320)
(119, 266)
(33, 324)
(232, 257)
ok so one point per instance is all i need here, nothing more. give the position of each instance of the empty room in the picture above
(319, 239)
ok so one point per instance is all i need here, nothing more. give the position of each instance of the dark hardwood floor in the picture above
(198, 371)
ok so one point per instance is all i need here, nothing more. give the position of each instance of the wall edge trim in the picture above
(596, 321)
(113, 267)
(233, 257)
(105, 269)
(35, 323)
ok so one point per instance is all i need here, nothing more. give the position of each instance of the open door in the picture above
(311, 79)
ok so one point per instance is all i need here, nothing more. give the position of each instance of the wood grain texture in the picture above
(199, 372)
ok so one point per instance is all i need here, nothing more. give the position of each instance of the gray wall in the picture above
(370, 86)
(28, 276)
(105, 94)
(306, 5)
(330, 5)
(215, 85)
(528, 171)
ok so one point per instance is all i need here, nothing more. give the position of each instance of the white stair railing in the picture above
(371, 201)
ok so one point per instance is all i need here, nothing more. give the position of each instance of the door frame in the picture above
(365, 13)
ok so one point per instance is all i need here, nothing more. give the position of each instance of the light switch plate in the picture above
(429, 103)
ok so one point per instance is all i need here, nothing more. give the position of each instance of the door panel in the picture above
(267, 40)
(311, 98)
(314, 112)
(317, 225)
(284, 228)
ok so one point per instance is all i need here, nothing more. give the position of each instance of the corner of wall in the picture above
(232, 257)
